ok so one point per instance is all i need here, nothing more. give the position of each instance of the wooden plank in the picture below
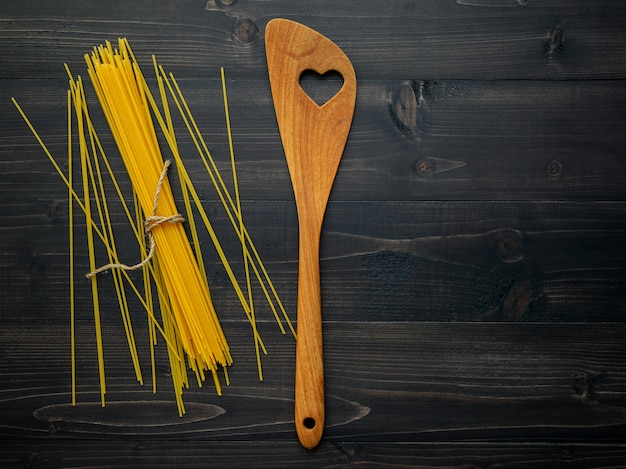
(426, 39)
(392, 382)
(182, 454)
(410, 140)
(401, 261)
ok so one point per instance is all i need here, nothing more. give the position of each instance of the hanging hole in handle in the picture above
(321, 87)
(309, 423)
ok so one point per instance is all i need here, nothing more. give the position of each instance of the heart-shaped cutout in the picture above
(321, 88)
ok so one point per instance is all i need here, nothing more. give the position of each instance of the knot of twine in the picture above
(149, 224)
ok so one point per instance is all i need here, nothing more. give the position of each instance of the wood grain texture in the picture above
(393, 398)
(261, 455)
(427, 261)
(472, 255)
(496, 381)
(480, 39)
(410, 139)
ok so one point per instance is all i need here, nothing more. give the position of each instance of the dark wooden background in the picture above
(473, 256)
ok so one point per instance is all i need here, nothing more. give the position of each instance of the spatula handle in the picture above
(309, 396)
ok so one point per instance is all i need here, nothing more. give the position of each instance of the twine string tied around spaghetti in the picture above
(150, 223)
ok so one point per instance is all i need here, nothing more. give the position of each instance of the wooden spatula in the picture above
(313, 138)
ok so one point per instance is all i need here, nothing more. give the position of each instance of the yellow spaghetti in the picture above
(71, 247)
(118, 85)
(174, 280)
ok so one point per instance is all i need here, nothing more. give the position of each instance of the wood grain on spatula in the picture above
(313, 138)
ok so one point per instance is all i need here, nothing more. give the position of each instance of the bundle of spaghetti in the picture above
(117, 82)
(188, 321)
